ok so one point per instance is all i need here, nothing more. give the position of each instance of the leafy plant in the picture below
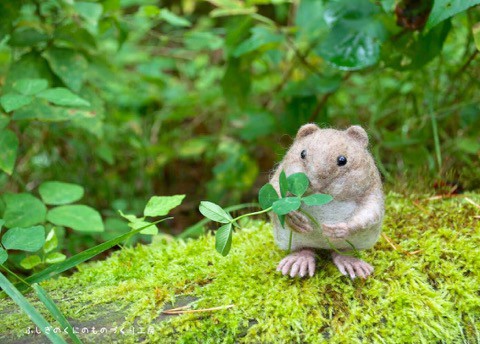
(27, 218)
(296, 184)
(157, 206)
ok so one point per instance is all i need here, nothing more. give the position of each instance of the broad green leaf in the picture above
(267, 195)
(281, 218)
(30, 262)
(356, 34)
(317, 199)
(174, 19)
(223, 239)
(29, 66)
(150, 230)
(214, 212)
(43, 111)
(31, 311)
(236, 83)
(413, 50)
(23, 210)
(89, 11)
(476, 35)
(59, 193)
(55, 312)
(444, 9)
(69, 65)
(139, 222)
(262, 37)
(13, 101)
(62, 96)
(161, 205)
(129, 217)
(30, 87)
(285, 205)
(198, 228)
(2, 222)
(51, 242)
(55, 257)
(4, 120)
(149, 11)
(28, 239)
(78, 217)
(27, 37)
(388, 5)
(312, 85)
(251, 130)
(298, 183)
(309, 19)
(74, 37)
(79, 258)
(283, 184)
(202, 40)
(9, 11)
(3, 256)
(8, 150)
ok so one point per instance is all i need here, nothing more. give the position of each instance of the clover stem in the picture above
(251, 214)
(290, 242)
(315, 222)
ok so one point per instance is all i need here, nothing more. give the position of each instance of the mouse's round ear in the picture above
(306, 130)
(359, 134)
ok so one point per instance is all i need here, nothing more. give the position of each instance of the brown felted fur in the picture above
(357, 209)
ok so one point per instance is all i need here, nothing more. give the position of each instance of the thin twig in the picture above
(399, 248)
(434, 198)
(389, 241)
(174, 312)
(422, 209)
(178, 308)
(469, 200)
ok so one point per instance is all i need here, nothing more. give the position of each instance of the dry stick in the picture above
(434, 198)
(469, 200)
(399, 248)
(422, 209)
(389, 241)
(177, 309)
(174, 312)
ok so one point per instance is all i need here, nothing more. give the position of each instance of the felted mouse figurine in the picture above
(336, 163)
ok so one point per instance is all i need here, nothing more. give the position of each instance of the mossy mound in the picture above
(425, 287)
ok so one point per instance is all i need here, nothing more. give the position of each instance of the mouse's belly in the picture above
(331, 213)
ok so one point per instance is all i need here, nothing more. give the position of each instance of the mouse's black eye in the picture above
(341, 160)
(303, 154)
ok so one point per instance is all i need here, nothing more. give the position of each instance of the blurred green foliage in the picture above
(131, 98)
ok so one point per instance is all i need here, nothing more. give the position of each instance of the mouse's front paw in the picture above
(299, 222)
(336, 231)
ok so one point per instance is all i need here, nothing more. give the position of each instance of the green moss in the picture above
(426, 296)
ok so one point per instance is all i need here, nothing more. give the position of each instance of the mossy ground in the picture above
(425, 290)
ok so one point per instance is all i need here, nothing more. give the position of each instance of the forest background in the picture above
(125, 99)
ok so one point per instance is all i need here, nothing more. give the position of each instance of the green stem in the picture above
(436, 138)
(251, 214)
(317, 225)
(290, 242)
(14, 275)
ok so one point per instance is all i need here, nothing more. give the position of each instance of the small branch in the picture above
(398, 248)
(389, 241)
(181, 310)
(469, 200)
(466, 64)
